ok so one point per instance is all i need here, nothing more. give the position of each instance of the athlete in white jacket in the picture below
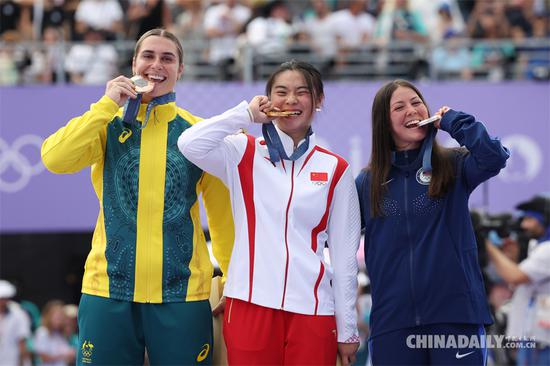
(286, 211)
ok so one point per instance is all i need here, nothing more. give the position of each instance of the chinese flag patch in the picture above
(318, 177)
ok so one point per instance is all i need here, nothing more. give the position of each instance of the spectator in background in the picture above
(524, 52)
(529, 315)
(315, 34)
(519, 13)
(10, 16)
(541, 24)
(50, 344)
(318, 30)
(12, 58)
(353, 26)
(143, 15)
(452, 58)
(223, 23)
(70, 7)
(538, 61)
(103, 15)
(271, 32)
(402, 33)
(466, 8)
(92, 62)
(484, 12)
(16, 16)
(189, 26)
(400, 23)
(445, 25)
(438, 16)
(15, 328)
(70, 330)
(47, 61)
(492, 54)
(55, 16)
(189, 23)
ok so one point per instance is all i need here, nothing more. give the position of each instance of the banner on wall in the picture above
(35, 200)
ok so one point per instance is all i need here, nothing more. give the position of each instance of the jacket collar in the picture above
(288, 142)
(277, 141)
(160, 112)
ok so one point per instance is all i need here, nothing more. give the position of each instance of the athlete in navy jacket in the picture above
(420, 248)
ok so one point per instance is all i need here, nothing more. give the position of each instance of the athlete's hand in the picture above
(120, 89)
(440, 113)
(219, 308)
(347, 351)
(257, 108)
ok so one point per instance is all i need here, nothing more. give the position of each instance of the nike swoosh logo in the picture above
(459, 356)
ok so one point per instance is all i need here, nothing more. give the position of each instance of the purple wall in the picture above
(32, 199)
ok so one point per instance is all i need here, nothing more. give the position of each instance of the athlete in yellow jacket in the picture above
(147, 278)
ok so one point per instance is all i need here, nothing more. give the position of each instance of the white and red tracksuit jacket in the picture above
(284, 215)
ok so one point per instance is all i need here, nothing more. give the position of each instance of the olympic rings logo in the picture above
(11, 157)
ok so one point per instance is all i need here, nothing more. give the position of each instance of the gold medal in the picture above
(282, 113)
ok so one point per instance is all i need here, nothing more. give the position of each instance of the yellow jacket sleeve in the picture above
(220, 219)
(81, 142)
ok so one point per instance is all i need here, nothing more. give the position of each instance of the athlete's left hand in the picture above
(219, 308)
(347, 351)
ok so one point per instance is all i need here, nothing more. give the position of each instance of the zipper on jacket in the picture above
(286, 232)
(411, 248)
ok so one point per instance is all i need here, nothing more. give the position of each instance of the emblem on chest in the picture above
(422, 177)
(318, 178)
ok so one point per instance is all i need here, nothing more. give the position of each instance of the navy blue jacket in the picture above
(421, 256)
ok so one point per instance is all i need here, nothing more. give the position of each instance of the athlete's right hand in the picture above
(257, 107)
(120, 89)
(219, 308)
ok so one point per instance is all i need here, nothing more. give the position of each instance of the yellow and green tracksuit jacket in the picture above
(148, 244)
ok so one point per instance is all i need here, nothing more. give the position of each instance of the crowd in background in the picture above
(31, 337)
(83, 42)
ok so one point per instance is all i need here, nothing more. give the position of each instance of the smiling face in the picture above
(157, 60)
(405, 107)
(290, 93)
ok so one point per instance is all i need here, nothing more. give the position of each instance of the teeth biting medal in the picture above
(414, 124)
(282, 113)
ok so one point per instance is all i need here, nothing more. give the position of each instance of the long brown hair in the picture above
(443, 174)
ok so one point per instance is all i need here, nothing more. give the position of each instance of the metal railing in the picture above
(368, 62)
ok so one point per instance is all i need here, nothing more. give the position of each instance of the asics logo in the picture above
(16, 169)
(459, 356)
(203, 353)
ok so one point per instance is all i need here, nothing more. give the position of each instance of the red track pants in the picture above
(256, 335)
